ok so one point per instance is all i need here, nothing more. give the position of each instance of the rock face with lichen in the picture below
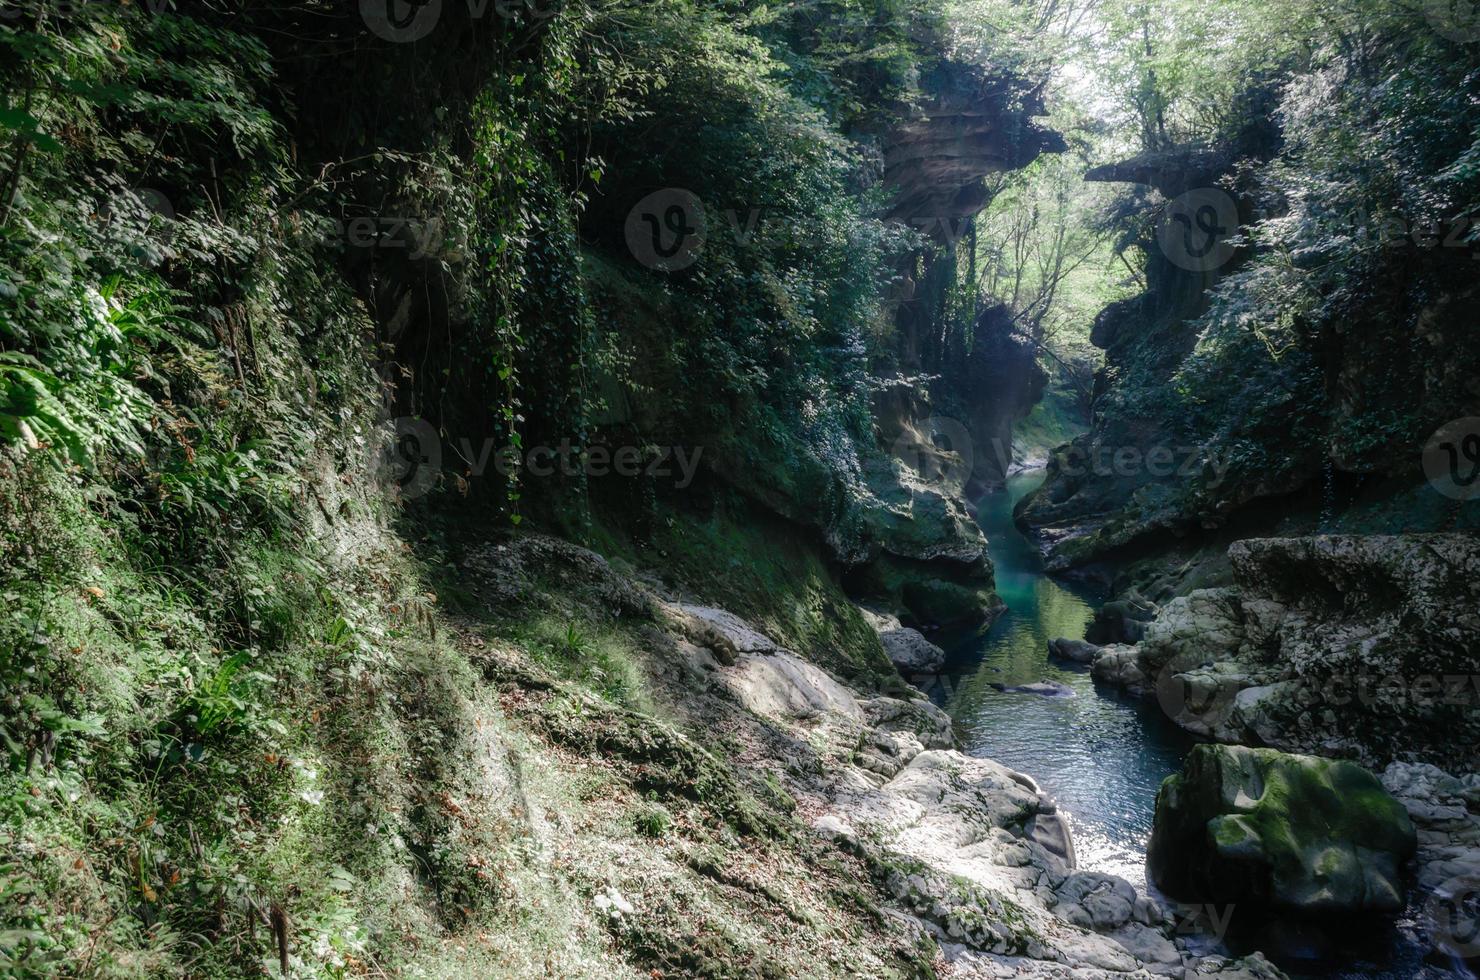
(906, 648)
(1260, 827)
(926, 561)
(1357, 647)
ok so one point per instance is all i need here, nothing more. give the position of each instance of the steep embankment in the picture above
(298, 303)
(959, 857)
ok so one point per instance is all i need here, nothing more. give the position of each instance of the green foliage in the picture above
(602, 658)
(220, 699)
(652, 820)
(226, 710)
(1332, 342)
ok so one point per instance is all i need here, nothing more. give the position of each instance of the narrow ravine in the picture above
(1101, 755)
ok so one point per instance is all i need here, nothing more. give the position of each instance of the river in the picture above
(1102, 755)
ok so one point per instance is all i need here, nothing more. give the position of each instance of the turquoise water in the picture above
(1100, 754)
(1103, 755)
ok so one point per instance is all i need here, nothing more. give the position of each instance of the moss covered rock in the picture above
(1262, 828)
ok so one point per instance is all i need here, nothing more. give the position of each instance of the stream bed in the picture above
(1102, 754)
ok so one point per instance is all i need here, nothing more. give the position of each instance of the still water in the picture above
(1100, 754)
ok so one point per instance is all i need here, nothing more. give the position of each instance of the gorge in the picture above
(616, 488)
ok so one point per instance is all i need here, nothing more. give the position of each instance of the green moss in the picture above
(1054, 421)
(1265, 827)
(764, 570)
(597, 655)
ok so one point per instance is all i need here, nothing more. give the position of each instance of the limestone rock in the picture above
(526, 568)
(1074, 651)
(784, 687)
(960, 134)
(978, 858)
(1445, 809)
(1121, 621)
(1120, 665)
(1042, 689)
(1356, 647)
(725, 633)
(909, 651)
(920, 719)
(1268, 829)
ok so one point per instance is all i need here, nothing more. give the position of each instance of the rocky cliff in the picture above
(947, 398)
(1351, 647)
(1204, 423)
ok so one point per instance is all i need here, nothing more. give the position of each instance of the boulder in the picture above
(1043, 689)
(784, 687)
(1261, 828)
(926, 558)
(723, 632)
(1121, 666)
(909, 651)
(1074, 651)
(1122, 621)
(922, 720)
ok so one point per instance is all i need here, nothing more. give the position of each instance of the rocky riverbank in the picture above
(1354, 648)
(970, 857)
(1349, 647)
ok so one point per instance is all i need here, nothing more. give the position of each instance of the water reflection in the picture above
(1101, 755)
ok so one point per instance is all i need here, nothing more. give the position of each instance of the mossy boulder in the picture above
(1260, 828)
